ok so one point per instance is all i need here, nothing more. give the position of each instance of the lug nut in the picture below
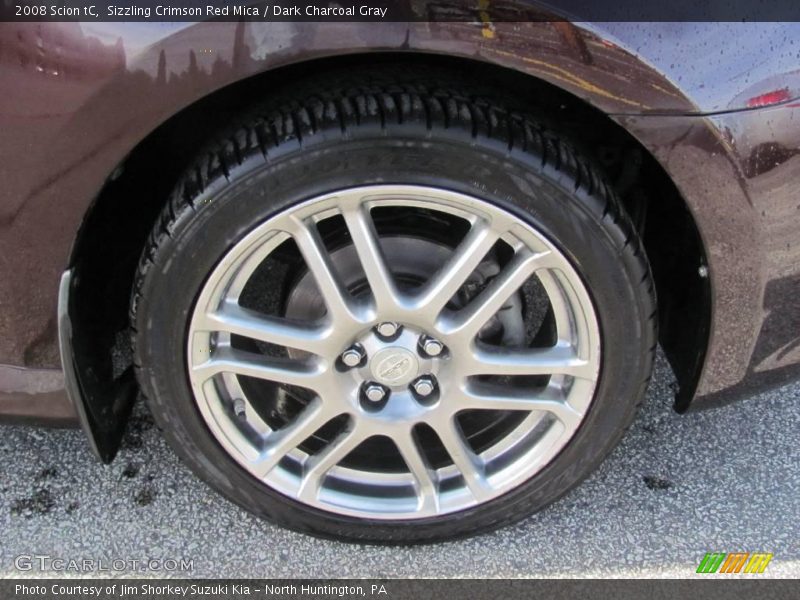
(424, 385)
(374, 392)
(353, 356)
(431, 346)
(387, 329)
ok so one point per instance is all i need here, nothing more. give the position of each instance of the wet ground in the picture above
(677, 487)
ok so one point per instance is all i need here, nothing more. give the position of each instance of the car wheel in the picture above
(393, 312)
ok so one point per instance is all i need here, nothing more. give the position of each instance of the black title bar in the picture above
(400, 10)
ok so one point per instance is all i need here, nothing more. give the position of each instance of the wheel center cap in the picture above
(394, 366)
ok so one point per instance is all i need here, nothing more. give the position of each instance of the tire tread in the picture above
(330, 109)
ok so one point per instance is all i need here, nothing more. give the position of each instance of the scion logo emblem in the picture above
(394, 366)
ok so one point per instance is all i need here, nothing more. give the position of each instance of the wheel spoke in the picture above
(556, 360)
(309, 375)
(388, 317)
(365, 239)
(318, 261)
(476, 397)
(426, 486)
(469, 464)
(317, 466)
(483, 307)
(452, 276)
(234, 319)
(283, 441)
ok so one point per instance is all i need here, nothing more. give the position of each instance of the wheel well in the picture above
(114, 231)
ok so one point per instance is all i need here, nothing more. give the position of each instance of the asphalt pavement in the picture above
(678, 486)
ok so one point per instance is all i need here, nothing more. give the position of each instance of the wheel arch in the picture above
(116, 225)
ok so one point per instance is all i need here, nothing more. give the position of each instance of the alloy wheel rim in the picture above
(420, 389)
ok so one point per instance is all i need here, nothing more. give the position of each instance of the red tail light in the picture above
(769, 98)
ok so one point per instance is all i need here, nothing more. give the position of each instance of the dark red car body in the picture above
(85, 107)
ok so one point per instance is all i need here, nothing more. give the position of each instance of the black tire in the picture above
(392, 128)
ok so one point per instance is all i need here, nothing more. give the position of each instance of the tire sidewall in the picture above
(545, 197)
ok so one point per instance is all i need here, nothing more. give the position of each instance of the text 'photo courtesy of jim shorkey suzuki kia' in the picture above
(394, 282)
